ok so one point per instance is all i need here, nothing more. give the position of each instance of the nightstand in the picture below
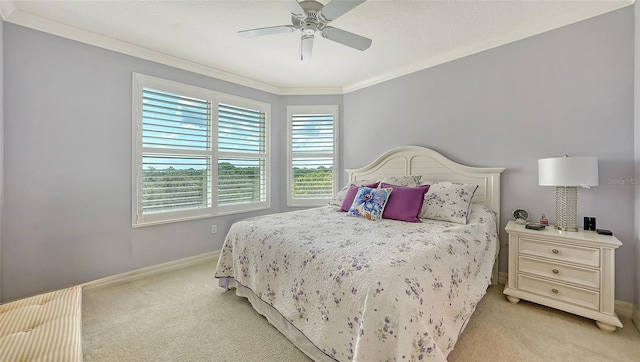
(570, 271)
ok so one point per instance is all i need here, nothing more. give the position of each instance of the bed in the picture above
(345, 288)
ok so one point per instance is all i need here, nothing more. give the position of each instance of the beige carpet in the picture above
(184, 316)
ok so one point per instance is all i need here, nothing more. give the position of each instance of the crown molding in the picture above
(7, 7)
(311, 91)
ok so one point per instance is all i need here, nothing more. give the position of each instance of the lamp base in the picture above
(567, 208)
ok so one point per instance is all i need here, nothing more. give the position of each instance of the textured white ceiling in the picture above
(202, 35)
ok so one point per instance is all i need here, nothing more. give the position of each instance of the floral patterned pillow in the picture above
(338, 199)
(369, 203)
(351, 194)
(448, 201)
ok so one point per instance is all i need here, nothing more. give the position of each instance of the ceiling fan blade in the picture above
(266, 31)
(294, 8)
(346, 38)
(336, 8)
(305, 47)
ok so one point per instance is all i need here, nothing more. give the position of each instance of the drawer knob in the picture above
(555, 291)
(555, 251)
(555, 271)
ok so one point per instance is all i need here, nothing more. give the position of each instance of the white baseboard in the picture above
(502, 278)
(623, 309)
(150, 271)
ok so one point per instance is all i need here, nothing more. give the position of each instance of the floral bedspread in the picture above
(361, 290)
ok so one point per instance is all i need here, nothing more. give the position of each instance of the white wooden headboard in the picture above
(432, 166)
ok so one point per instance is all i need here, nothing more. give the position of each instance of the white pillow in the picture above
(448, 201)
(411, 181)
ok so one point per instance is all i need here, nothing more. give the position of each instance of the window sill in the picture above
(207, 216)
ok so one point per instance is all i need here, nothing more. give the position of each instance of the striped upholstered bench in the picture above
(46, 327)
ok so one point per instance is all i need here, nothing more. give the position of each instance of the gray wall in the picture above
(68, 166)
(568, 91)
(637, 160)
(1, 143)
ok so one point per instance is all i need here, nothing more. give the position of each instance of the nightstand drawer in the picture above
(565, 293)
(562, 252)
(581, 276)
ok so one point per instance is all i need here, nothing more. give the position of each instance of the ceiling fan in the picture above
(310, 16)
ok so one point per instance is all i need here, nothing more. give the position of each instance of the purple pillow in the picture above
(405, 203)
(351, 195)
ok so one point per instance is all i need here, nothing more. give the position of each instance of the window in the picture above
(180, 134)
(242, 155)
(312, 161)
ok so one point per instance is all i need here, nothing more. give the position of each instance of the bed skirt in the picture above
(277, 320)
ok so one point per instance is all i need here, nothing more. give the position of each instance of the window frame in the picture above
(138, 219)
(312, 109)
(255, 105)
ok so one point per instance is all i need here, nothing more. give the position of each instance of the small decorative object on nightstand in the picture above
(520, 216)
(570, 271)
(544, 221)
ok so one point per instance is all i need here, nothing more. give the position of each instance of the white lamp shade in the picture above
(568, 171)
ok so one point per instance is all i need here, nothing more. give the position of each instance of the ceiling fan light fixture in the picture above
(306, 45)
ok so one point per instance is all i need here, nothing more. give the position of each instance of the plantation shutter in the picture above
(196, 153)
(312, 155)
(242, 155)
(176, 156)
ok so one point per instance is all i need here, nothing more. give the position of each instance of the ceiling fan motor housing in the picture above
(312, 20)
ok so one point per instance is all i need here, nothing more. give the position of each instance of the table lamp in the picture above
(566, 174)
